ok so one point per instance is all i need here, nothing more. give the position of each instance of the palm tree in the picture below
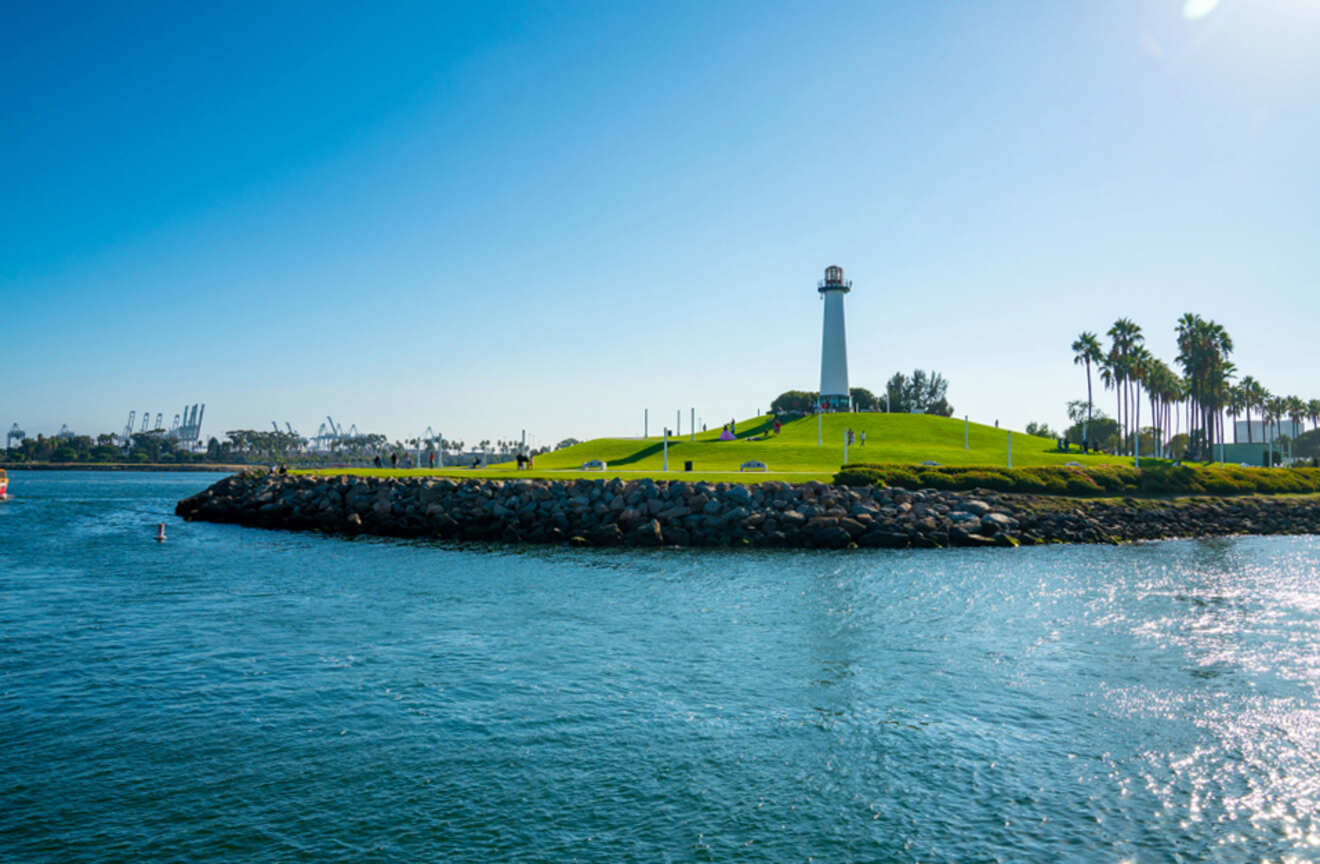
(1313, 413)
(1296, 413)
(1163, 388)
(1087, 350)
(1140, 364)
(1125, 336)
(1203, 349)
(1250, 396)
(1274, 407)
(1109, 377)
(1237, 403)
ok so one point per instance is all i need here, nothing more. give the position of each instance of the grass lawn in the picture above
(793, 455)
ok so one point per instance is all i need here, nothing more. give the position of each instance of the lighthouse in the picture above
(834, 343)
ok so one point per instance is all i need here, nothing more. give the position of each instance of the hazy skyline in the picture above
(496, 217)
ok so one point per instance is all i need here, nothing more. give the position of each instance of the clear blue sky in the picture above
(487, 217)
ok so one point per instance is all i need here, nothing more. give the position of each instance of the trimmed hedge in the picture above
(1103, 480)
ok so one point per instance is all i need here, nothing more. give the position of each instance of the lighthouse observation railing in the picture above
(826, 285)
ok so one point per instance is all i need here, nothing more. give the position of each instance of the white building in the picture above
(834, 393)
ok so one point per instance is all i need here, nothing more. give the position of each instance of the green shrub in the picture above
(859, 477)
(1154, 478)
(937, 480)
(902, 479)
(976, 479)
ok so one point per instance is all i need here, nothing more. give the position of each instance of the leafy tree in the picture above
(863, 399)
(795, 402)
(1040, 430)
(1307, 445)
(1104, 432)
(922, 393)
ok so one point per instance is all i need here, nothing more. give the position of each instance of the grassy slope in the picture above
(793, 454)
(899, 438)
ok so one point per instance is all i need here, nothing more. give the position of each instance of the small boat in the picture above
(4, 484)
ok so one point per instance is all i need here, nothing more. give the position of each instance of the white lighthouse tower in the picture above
(834, 394)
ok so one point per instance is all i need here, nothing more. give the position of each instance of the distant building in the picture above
(834, 393)
(1261, 432)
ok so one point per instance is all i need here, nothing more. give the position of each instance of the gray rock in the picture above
(648, 534)
(994, 523)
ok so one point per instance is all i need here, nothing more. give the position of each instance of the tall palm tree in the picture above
(1125, 336)
(1313, 413)
(1250, 397)
(1140, 363)
(1164, 388)
(1237, 403)
(1203, 349)
(1276, 408)
(1296, 413)
(1086, 350)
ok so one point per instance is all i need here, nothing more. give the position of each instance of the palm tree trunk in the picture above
(1118, 412)
(1136, 402)
(1086, 432)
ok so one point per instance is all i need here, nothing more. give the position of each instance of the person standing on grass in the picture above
(863, 437)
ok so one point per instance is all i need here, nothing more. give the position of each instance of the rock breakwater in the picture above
(646, 512)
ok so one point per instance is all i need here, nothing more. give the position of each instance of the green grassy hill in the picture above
(794, 454)
(894, 438)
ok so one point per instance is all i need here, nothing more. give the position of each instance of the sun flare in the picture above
(1194, 10)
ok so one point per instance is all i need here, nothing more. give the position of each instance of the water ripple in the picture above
(235, 694)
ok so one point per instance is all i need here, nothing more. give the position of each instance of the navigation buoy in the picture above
(160, 531)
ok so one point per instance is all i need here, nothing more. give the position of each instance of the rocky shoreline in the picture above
(647, 512)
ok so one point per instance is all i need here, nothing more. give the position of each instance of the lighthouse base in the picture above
(835, 403)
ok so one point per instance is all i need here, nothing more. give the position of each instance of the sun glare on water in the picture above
(1195, 9)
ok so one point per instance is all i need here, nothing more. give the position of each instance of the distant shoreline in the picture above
(120, 466)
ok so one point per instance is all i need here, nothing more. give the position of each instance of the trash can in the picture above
(687, 466)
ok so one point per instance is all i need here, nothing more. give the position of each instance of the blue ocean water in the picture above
(235, 694)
